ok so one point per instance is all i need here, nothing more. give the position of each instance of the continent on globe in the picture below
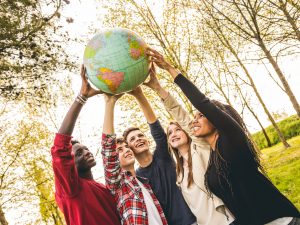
(111, 78)
(94, 45)
(137, 48)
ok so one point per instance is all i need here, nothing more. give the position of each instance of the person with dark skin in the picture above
(82, 200)
(234, 173)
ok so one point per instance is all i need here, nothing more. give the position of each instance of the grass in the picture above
(283, 168)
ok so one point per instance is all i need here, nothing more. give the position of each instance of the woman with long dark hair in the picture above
(233, 172)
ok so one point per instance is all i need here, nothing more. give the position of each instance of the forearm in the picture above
(161, 92)
(146, 108)
(69, 121)
(177, 111)
(173, 72)
(112, 169)
(108, 123)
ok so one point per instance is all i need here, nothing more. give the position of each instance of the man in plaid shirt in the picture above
(136, 202)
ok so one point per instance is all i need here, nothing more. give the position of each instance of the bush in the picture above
(290, 127)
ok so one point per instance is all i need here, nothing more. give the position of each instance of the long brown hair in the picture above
(179, 160)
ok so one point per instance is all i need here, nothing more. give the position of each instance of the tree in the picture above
(214, 24)
(31, 48)
(289, 10)
(26, 176)
(249, 19)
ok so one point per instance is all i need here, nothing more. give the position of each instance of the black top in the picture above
(250, 196)
(162, 178)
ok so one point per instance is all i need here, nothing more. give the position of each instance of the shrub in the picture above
(290, 127)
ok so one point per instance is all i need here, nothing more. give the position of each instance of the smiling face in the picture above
(84, 159)
(176, 136)
(126, 156)
(137, 141)
(201, 126)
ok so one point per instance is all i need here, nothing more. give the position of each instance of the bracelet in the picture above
(81, 99)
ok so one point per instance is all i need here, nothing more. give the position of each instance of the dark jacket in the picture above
(162, 178)
(246, 192)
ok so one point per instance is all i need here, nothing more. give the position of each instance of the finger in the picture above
(119, 95)
(149, 49)
(83, 73)
(99, 92)
(152, 68)
(153, 50)
(155, 60)
(95, 92)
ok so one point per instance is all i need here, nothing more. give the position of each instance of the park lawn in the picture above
(283, 168)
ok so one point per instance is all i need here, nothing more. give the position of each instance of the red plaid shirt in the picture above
(127, 192)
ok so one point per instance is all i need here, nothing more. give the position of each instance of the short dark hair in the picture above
(120, 140)
(128, 130)
(74, 141)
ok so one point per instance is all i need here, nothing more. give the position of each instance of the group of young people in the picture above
(203, 170)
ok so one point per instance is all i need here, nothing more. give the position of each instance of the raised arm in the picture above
(172, 106)
(112, 169)
(144, 104)
(156, 129)
(66, 176)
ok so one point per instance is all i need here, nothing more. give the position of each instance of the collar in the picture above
(144, 180)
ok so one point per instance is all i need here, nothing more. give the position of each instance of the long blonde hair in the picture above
(179, 160)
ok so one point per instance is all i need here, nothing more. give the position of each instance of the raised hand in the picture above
(108, 98)
(136, 92)
(153, 83)
(86, 89)
(158, 58)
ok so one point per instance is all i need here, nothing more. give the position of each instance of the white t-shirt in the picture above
(153, 214)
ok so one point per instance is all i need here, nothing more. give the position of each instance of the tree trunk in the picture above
(280, 134)
(261, 126)
(281, 77)
(226, 43)
(290, 19)
(3, 220)
(255, 116)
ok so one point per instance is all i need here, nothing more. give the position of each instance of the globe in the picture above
(115, 60)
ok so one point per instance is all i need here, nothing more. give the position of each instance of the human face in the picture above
(137, 141)
(176, 136)
(201, 126)
(84, 159)
(126, 156)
